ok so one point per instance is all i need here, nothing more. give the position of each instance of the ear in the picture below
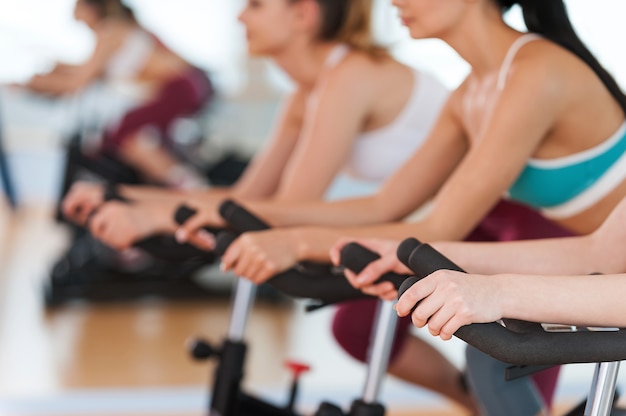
(308, 14)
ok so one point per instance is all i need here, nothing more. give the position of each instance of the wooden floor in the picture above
(50, 361)
(130, 359)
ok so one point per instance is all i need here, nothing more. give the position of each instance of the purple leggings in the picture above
(507, 221)
(180, 96)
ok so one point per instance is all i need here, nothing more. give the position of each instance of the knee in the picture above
(352, 327)
(496, 395)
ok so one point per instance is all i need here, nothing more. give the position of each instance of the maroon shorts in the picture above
(507, 221)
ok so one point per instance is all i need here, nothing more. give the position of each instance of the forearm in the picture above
(157, 194)
(314, 243)
(572, 300)
(160, 215)
(572, 255)
(344, 213)
(57, 82)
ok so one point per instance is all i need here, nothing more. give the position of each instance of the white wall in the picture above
(35, 32)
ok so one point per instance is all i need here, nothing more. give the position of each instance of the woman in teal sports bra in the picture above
(523, 99)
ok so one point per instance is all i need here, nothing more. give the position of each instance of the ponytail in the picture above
(549, 19)
(350, 22)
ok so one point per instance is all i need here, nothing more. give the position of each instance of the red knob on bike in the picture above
(297, 368)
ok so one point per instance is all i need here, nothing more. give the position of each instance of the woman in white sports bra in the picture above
(126, 53)
(528, 100)
(354, 109)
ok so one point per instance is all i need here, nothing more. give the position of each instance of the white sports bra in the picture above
(377, 154)
(131, 57)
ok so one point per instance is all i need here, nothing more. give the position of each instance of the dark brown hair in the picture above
(112, 8)
(549, 19)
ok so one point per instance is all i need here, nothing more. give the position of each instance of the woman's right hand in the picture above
(120, 224)
(82, 200)
(387, 263)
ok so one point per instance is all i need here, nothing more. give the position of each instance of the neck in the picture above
(304, 61)
(482, 40)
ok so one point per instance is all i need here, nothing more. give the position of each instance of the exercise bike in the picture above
(307, 280)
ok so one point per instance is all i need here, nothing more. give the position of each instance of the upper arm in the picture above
(329, 129)
(262, 176)
(523, 116)
(108, 40)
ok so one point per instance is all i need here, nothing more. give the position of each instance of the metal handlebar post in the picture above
(242, 303)
(384, 331)
(602, 391)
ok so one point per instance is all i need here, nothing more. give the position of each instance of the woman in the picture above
(171, 87)
(518, 122)
(552, 275)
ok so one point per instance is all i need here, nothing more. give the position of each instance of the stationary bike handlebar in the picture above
(521, 348)
(307, 279)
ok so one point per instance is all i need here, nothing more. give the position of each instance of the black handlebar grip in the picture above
(223, 240)
(405, 249)
(241, 219)
(522, 348)
(356, 257)
(111, 193)
(183, 213)
(423, 260)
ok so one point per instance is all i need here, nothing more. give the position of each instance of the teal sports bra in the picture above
(550, 183)
(566, 186)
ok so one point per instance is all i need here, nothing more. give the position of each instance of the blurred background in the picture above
(126, 358)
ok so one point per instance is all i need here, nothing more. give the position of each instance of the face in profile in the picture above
(430, 18)
(269, 25)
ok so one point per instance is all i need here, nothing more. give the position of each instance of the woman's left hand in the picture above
(449, 300)
(258, 256)
(366, 280)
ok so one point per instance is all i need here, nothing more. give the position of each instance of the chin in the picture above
(256, 52)
(419, 34)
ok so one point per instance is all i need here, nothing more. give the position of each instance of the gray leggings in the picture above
(495, 395)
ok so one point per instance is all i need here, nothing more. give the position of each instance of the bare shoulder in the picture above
(114, 31)
(362, 71)
(544, 61)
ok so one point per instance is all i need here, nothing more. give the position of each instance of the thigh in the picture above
(497, 396)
